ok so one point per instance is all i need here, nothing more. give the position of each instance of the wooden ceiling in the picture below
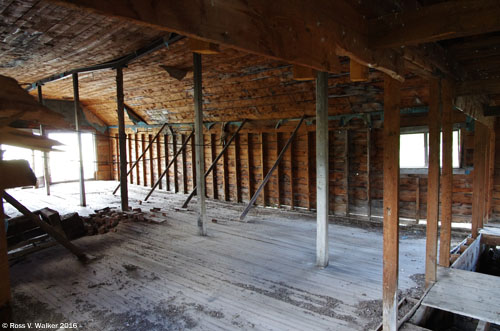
(41, 38)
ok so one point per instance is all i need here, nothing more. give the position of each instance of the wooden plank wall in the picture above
(293, 185)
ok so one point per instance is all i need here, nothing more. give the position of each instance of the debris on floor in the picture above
(106, 219)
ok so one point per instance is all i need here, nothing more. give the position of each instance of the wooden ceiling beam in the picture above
(447, 20)
(311, 35)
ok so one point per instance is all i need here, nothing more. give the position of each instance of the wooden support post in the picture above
(173, 161)
(158, 158)
(417, 200)
(368, 173)
(174, 149)
(278, 170)
(237, 167)
(486, 175)
(346, 170)
(5, 295)
(46, 170)
(200, 155)
(193, 163)
(249, 165)
(446, 176)
(491, 172)
(136, 148)
(121, 135)
(225, 174)
(151, 161)
(263, 166)
(76, 95)
(292, 176)
(184, 168)
(308, 170)
(60, 238)
(167, 157)
(392, 99)
(144, 167)
(478, 178)
(129, 162)
(215, 191)
(270, 173)
(322, 173)
(434, 118)
(117, 163)
(214, 162)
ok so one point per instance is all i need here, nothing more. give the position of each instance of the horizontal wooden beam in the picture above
(273, 29)
(447, 20)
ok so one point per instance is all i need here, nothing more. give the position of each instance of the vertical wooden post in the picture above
(184, 168)
(392, 100)
(167, 157)
(486, 175)
(225, 173)
(322, 177)
(292, 176)
(215, 189)
(193, 162)
(122, 137)
(144, 165)
(263, 166)
(278, 169)
(76, 95)
(137, 170)
(249, 164)
(308, 169)
(200, 158)
(46, 171)
(174, 149)
(478, 177)
(434, 119)
(368, 173)
(129, 140)
(446, 176)
(237, 167)
(5, 295)
(491, 171)
(151, 162)
(117, 163)
(346, 170)
(158, 158)
(417, 200)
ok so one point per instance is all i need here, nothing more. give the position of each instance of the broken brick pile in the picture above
(106, 219)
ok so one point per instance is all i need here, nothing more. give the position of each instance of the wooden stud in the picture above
(486, 175)
(213, 144)
(292, 176)
(174, 149)
(278, 170)
(46, 169)
(117, 162)
(308, 170)
(368, 173)
(167, 157)
(193, 163)
(392, 100)
(478, 178)
(184, 168)
(491, 173)
(225, 174)
(121, 135)
(250, 165)
(151, 161)
(446, 176)
(263, 167)
(434, 118)
(301, 73)
(358, 72)
(346, 170)
(129, 143)
(417, 200)
(158, 159)
(237, 167)
(203, 47)
(137, 170)
(322, 172)
(144, 167)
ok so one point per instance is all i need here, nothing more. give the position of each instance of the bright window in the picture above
(414, 150)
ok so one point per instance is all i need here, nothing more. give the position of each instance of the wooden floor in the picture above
(257, 275)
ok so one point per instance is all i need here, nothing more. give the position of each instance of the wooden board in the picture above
(468, 259)
(466, 293)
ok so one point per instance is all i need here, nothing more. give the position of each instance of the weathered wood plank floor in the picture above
(257, 275)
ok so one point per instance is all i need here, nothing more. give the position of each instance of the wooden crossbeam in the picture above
(214, 163)
(269, 174)
(144, 151)
(173, 161)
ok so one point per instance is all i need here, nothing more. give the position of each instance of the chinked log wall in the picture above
(293, 184)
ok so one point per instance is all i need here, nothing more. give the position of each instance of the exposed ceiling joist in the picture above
(447, 20)
(312, 35)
